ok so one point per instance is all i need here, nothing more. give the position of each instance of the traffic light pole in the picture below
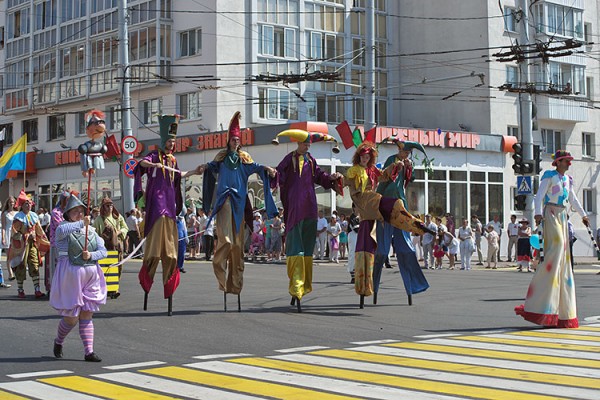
(525, 105)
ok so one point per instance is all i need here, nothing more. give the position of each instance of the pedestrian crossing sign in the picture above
(524, 185)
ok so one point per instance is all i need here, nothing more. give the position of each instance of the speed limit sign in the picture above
(130, 145)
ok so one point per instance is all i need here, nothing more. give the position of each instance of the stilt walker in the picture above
(228, 174)
(362, 179)
(387, 234)
(297, 175)
(163, 201)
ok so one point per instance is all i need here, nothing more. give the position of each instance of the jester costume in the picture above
(163, 201)
(550, 299)
(372, 207)
(230, 171)
(387, 234)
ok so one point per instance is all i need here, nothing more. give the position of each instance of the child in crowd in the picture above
(492, 237)
(438, 254)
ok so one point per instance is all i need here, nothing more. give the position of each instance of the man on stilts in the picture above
(163, 201)
(230, 171)
(297, 175)
(388, 235)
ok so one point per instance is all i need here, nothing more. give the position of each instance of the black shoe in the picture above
(352, 280)
(388, 266)
(182, 270)
(93, 357)
(58, 350)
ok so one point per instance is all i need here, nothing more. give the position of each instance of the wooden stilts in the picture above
(410, 299)
(362, 301)
(225, 301)
(375, 298)
(239, 303)
(298, 306)
(170, 306)
(145, 301)
(293, 302)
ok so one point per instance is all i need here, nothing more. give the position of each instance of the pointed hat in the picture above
(168, 127)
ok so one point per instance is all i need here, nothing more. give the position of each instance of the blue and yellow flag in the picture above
(14, 158)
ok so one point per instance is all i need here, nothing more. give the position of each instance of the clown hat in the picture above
(561, 155)
(23, 198)
(302, 136)
(168, 127)
(234, 127)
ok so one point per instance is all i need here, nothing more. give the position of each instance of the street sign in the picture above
(130, 145)
(129, 166)
(524, 185)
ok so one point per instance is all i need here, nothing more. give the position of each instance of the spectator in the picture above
(498, 228)
(320, 244)
(450, 242)
(513, 236)
(133, 229)
(8, 215)
(277, 228)
(343, 236)
(524, 246)
(192, 228)
(44, 217)
(353, 225)
(333, 233)
(467, 245)
(478, 229)
(428, 242)
(209, 240)
(450, 224)
(493, 244)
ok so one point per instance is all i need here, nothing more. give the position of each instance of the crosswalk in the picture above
(539, 364)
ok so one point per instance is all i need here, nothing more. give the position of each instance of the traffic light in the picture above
(537, 159)
(520, 165)
(520, 200)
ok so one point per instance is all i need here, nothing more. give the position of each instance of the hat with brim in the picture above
(524, 221)
(73, 202)
(302, 136)
(561, 155)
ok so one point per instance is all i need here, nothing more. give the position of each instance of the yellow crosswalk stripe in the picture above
(589, 328)
(104, 389)
(243, 385)
(556, 379)
(549, 334)
(395, 381)
(529, 343)
(9, 396)
(498, 354)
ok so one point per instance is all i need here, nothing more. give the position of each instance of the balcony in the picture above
(561, 109)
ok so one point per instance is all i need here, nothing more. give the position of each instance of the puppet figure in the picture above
(92, 151)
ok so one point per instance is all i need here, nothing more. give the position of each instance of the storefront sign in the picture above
(438, 138)
(181, 145)
(219, 140)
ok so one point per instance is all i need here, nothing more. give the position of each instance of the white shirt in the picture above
(497, 226)
(44, 219)
(513, 229)
(334, 230)
(321, 223)
(132, 223)
(428, 237)
(209, 228)
(465, 232)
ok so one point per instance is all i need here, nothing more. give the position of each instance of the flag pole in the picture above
(25, 169)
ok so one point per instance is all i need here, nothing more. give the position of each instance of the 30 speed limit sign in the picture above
(130, 145)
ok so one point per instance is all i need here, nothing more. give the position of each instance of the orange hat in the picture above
(24, 198)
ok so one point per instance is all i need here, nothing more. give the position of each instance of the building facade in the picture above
(436, 82)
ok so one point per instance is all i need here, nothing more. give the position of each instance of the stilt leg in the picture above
(170, 306)
(362, 301)
(293, 302)
(239, 303)
(145, 301)
(298, 306)
(410, 299)
(375, 298)
(225, 301)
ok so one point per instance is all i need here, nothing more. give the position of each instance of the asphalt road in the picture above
(456, 302)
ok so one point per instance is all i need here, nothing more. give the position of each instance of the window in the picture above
(278, 42)
(588, 200)
(512, 75)
(114, 116)
(589, 88)
(56, 127)
(510, 21)
(189, 105)
(190, 42)
(8, 133)
(150, 110)
(587, 141)
(278, 104)
(30, 127)
(551, 140)
(512, 131)
(587, 33)
(564, 21)
(80, 124)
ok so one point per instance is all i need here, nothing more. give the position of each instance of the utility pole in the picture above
(525, 105)
(369, 110)
(126, 183)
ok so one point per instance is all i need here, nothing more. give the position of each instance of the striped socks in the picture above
(63, 331)
(86, 332)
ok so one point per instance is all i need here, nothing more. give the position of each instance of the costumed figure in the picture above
(297, 175)
(550, 299)
(56, 217)
(79, 287)
(391, 187)
(163, 201)
(111, 226)
(362, 179)
(92, 152)
(230, 171)
(28, 245)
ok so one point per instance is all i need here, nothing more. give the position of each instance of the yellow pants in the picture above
(228, 262)
(161, 245)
